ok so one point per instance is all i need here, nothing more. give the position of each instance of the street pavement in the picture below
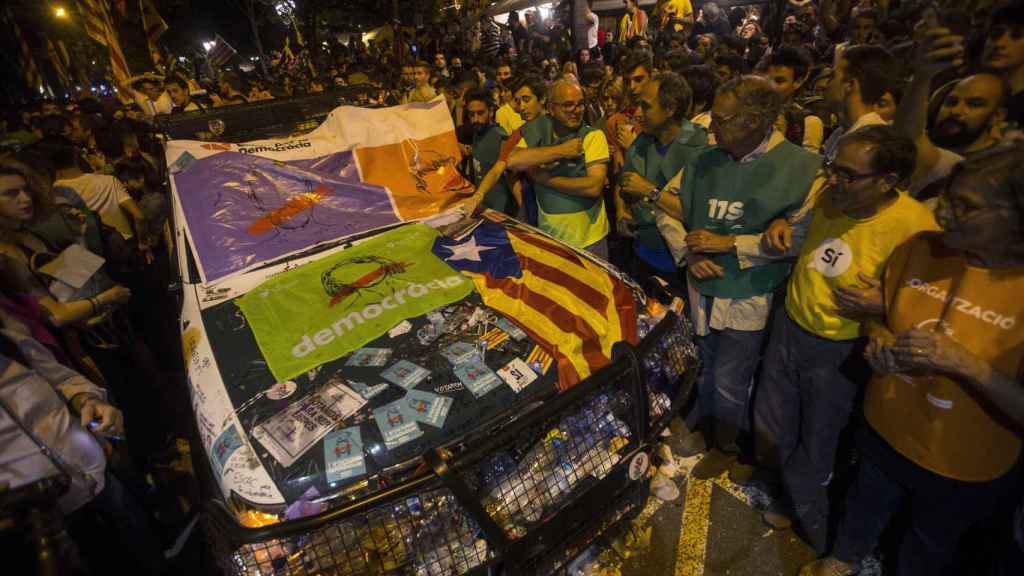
(713, 528)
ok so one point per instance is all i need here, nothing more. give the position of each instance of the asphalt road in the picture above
(713, 528)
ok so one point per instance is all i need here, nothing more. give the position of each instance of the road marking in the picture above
(693, 533)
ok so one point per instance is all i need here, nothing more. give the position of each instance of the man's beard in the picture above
(952, 133)
(479, 129)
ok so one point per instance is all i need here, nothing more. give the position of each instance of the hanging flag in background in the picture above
(78, 71)
(100, 27)
(58, 65)
(220, 53)
(154, 26)
(28, 64)
(573, 308)
(325, 309)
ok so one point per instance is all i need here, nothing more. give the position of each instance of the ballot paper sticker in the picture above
(369, 357)
(288, 434)
(396, 425)
(459, 353)
(282, 390)
(183, 163)
(428, 408)
(428, 333)
(224, 446)
(517, 374)
(511, 329)
(402, 327)
(343, 454)
(405, 374)
(368, 392)
(477, 377)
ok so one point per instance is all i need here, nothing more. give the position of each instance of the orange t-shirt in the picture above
(933, 420)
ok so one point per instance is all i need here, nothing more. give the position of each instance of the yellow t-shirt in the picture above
(580, 229)
(595, 147)
(680, 8)
(508, 119)
(836, 249)
(935, 421)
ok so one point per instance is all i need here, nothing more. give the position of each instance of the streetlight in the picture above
(60, 12)
(208, 45)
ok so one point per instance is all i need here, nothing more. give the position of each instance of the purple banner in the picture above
(243, 210)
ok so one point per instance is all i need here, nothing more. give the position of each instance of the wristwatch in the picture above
(653, 195)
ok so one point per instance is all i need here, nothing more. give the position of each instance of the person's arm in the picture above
(62, 314)
(814, 134)
(936, 49)
(488, 182)
(936, 352)
(589, 186)
(523, 158)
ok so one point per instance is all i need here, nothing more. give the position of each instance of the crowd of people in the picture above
(841, 205)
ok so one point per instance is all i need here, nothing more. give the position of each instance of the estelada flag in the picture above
(411, 150)
(572, 307)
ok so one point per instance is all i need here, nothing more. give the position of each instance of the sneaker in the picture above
(777, 518)
(714, 464)
(741, 474)
(829, 567)
(692, 445)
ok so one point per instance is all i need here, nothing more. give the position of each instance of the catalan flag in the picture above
(574, 309)
(28, 64)
(99, 25)
(154, 26)
(58, 65)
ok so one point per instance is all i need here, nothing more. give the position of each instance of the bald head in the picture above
(566, 101)
(970, 113)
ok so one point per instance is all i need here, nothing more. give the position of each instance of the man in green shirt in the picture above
(492, 190)
(668, 141)
(728, 194)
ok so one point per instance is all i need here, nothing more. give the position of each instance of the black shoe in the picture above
(692, 444)
(714, 464)
(742, 474)
(778, 516)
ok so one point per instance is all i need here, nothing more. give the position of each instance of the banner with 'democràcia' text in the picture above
(323, 310)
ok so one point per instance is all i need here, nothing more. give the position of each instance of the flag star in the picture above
(467, 250)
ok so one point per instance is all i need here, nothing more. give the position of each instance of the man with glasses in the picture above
(567, 163)
(727, 196)
(814, 365)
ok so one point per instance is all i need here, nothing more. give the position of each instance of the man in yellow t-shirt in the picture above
(566, 162)
(807, 390)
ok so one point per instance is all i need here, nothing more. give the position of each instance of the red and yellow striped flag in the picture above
(58, 65)
(572, 308)
(26, 61)
(154, 26)
(100, 27)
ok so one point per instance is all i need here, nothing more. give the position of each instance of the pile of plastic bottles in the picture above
(583, 444)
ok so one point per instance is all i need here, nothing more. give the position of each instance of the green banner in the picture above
(323, 310)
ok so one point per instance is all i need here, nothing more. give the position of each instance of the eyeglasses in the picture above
(570, 106)
(844, 175)
(723, 120)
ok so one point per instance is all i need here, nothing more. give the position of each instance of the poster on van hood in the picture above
(247, 204)
(325, 309)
